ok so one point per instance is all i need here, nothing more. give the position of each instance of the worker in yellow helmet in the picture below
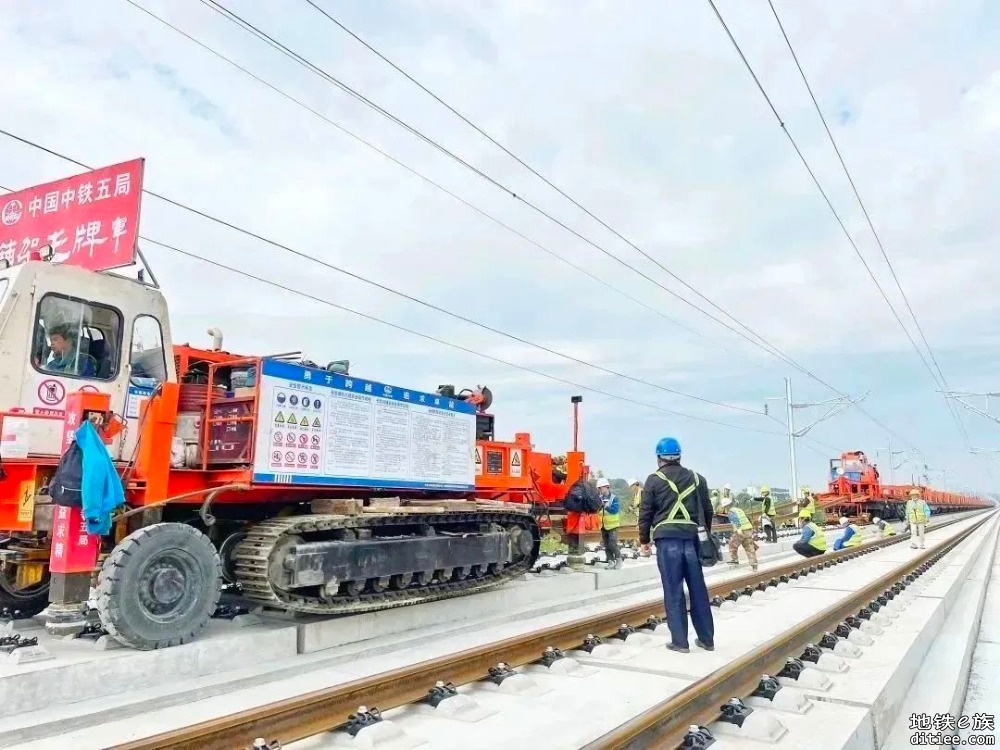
(636, 486)
(916, 514)
(742, 533)
(808, 503)
(768, 515)
(813, 539)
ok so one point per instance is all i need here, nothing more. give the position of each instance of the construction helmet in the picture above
(634, 482)
(603, 482)
(668, 447)
(727, 486)
(876, 519)
(914, 492)
(804, 513)
(715, 493)
(844, 521)
(765, 490)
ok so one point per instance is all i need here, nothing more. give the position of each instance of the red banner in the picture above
(89, 220)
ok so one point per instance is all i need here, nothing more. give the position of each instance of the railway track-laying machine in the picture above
(316, 491)
(313, 490)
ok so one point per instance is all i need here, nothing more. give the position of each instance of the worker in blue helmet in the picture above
(675, 503)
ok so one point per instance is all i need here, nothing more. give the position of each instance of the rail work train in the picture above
(316, 491)
(855, 490)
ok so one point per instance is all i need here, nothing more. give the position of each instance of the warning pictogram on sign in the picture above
(292, 419)
(515, 463)
(316, 422)
(51, 392)
(479, 462)
(279, 418)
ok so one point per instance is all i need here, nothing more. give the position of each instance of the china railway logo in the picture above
(12, 212)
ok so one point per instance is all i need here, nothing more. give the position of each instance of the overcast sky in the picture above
(642, 112)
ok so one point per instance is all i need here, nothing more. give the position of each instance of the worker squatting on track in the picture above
(742, 534)
(813, 540)
(676, 514)
(852, 535)
(918, 513)
(610, 521)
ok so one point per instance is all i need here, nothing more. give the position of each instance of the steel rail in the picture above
(326, 709)
(666, 724)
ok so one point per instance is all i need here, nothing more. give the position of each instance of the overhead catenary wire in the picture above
(864, 210)
(291, 54)
(416, 173)
(819, 186)
(390, 290)
(435, 339)
(764, 344)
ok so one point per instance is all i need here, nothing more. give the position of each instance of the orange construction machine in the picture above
(855, 490)
(167, 470)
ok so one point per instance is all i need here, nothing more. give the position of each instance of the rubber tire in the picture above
(29, 604)
(122, 615)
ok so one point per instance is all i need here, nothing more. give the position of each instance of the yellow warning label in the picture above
(26, 504)
(515, 463)
(316, 422)
(291, 419)
(479, 462)
(279, 418)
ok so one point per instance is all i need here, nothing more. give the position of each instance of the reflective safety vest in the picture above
(769, 508)
(678, 508)
(745, 524)
(855, 540)
(887, 529)
(609, 521)
(637, 500)
(915, 511)
(818, 540)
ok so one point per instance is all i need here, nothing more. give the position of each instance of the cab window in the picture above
(147, 360)
(4, 283)
(77, 339)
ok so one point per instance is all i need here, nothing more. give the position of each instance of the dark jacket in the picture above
(658, 500)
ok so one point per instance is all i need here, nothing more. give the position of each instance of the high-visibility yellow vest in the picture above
(769, 508)
(818, 540)
(745, 524)
(678, 508)
(609, 521)
(887, 529)
(915, 511)
(637, 500)
(856, 540)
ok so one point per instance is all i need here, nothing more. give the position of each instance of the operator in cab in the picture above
(66, 357)
(674, 513)
(813, 540)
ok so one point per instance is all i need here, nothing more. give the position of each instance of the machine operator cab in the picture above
(65, 328)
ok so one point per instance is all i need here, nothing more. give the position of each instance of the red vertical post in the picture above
(73, 553)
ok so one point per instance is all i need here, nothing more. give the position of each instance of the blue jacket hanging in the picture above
(86, 478)
(102, 490)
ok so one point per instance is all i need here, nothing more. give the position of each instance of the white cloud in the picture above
(645, 116)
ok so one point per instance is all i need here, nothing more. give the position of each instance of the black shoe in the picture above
(707, 647)
(679, 649)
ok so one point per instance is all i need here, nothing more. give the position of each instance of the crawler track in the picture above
(262, 545)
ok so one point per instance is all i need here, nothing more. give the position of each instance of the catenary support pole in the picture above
(791, 441)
